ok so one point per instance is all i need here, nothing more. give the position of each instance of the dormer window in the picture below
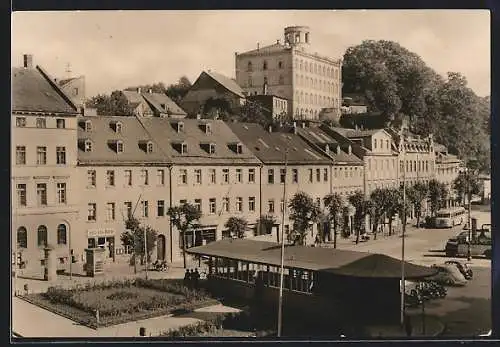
(118, 127)
(88, 125)
(338, 149)
(327, 149)
(207, 128)
(119, 146)
(149, 147)
(211, 148)
(163, 106)
(180, 147)
(180, 127)
(184, 148)
(88, 146)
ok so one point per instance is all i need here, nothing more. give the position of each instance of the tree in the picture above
(393, 201)
(253, 112)
(377, 208)
(303, 212)
(114, 105)
(177, 91)
(437, 195)
(361, 206)
(183, 217)
(237, 226)
(334, 203)
(416, 196)
(133, 236)
(465, 185)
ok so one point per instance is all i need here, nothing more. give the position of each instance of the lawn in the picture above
(121, 301)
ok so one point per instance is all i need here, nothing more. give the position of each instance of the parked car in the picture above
(448, 275)
(479, 246)
(462, 267)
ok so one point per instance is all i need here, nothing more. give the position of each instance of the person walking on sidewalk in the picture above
(196, 278)
(187, 277)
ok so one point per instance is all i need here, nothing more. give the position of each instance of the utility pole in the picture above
(403, 237)
(280, 301)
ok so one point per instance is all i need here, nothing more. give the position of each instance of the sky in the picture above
(118, 49)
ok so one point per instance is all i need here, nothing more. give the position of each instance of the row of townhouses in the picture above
(77, 178)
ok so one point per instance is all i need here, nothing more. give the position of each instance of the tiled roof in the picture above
(103, 137)
(350, 133)
(320, 138)
(226, 82)
(154, 102)
(270, 147)
(164, 131)
(277, 47)
(34, 91)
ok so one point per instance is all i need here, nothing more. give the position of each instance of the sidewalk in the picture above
(26, 319)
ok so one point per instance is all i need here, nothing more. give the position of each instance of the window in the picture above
(128, 208)
(91, 178)
(110, 178)
(225, 175)
(212, 205)
(264, 66)
(60, 123)
(239, 204)
(61, 155)
(41, 155)
(310, 175)
(22, 237)
(225, 204)
(92, 209)
(144, 177)
(145, 208)
(119, 147)
(318, 175)
(118, 127)
(160, 210)
(180, 127)
(250, 82)
(42, 236)
(295, 175)
(251, 204)
(282, 175)
(249, 66)
(41, 193)
(21, 122)
(41, 123)
(211, 148)
(270, 176)
(239, 176)
(88, 146)
(375, 144)
(280, 65)
(213, 176)
(149, 147)
(160, 177)
(265, 80)
(184, 148)
(325, 175)
(251, 175)
(20, 155)
(75, 91)
(387, 144)
(239, 148)
(21, 194)
(88, 125)
(183, 176)
(110, 211)
(197, 204)
(208, 128)
(128, 177)
(270, 205)
(61, 192)
(197, 175)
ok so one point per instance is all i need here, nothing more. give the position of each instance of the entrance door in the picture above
(160, 247)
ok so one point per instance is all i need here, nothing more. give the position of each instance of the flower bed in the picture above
(120, 301)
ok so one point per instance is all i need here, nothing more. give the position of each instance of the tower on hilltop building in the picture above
(298, 37)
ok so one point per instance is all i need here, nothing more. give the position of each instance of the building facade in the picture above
(276, 107)
(447, 169)
(43, 179)
(149, 104)
(213, 86)
(292, 71)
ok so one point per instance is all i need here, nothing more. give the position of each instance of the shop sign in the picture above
(100, 232)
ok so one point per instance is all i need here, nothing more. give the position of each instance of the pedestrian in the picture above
(186, 278)
(191, 278)
(196, 278)
(408, 326)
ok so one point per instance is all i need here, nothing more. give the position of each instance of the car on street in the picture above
(448, 275)
(462, 267)
(479, 246)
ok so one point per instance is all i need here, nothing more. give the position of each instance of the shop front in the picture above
(103, 238)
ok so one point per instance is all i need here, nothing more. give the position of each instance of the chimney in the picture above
(139, 90)
(28, 61)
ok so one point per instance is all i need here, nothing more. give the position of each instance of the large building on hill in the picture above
(45, 191)
(290, 70)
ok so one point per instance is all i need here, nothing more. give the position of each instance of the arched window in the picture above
(324, 71)
(307, 37)
(315, 68)
(281, 80)
(249, 66)
(119, 146)
(42, 235)
(61, 234)
(280, 65)
(264, 65)
(22, 237)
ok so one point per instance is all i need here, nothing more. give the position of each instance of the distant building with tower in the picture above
(311, 82)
